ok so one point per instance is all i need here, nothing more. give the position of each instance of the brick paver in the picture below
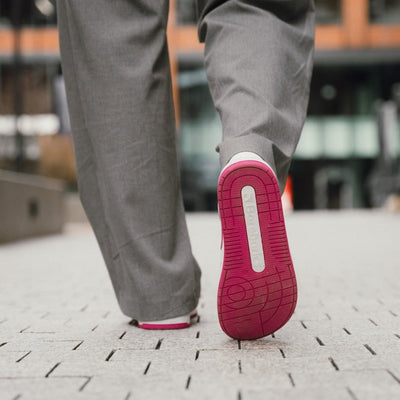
(62, 335)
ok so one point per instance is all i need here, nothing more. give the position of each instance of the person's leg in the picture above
(116, 68)
(258, 58)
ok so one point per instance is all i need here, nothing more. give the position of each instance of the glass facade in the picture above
(336, 151)
(27, 83)
(36, 85)
(328, 12)
(200, 132)
(37, 71)
(340, 141)
(186, 12)
(29, 12)
(384, 11)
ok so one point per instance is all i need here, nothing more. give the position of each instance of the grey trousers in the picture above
(258, 57)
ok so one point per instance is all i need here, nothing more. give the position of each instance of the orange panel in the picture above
(35, 40)
(384, 36)
(355, 32)
(172, 20)
(186, 40)
(43, 40)
(355, 19)
(329, 37)
(6, 41)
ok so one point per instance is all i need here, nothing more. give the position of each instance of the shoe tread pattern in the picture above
(254, 304)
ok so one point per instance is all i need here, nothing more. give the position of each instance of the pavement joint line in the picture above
(370, 349)
(147, 368)
(351, 393)
(112, 352)
(332, 361)
(320, 342)
(291, 379)
(52, 369)
(24, 356)
(78, 345)
(282, 353)
(372, 322)
(158, 345)
(393, 376)
(122, 335)
(24, 329)
(89, 378)
(189, 378)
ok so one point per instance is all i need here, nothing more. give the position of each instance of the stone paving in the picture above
(62, 335)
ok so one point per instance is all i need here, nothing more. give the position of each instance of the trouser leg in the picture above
(258, 57)
(116, 68)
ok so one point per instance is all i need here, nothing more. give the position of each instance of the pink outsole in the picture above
(163, 326)
(167, 326)
(253, 304)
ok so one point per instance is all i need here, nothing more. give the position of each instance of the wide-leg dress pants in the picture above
(258, 59)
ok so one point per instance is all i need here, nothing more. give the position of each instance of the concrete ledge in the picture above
(30, 205)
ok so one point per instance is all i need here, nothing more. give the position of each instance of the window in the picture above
(186, 12)
(328, 12)
(384, 11)
(31, 13)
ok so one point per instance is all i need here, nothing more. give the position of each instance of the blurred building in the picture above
(348, 153)
(339, 162)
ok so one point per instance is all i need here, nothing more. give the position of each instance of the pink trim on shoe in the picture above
(194, 314)
(257, 291)
(171, 323)
(163, 326)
